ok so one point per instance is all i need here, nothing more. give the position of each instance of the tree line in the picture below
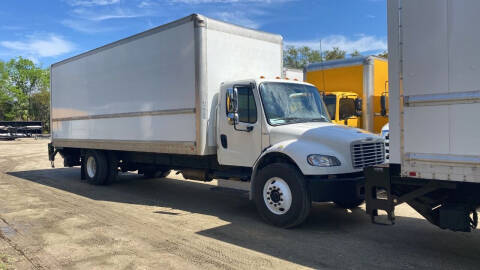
(24, 92)
(300, 57)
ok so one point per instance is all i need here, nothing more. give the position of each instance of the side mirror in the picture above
(383, 105)
(232, 118)
(232, 106)
(358, 107)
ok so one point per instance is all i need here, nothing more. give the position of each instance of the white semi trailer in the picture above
(434, 78)
(201, 97)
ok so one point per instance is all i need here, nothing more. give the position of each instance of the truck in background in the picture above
(354, 90)
(434, 105)
(201, 97)
(293, 74)
(10, 130)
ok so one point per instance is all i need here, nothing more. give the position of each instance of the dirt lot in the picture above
(50, 219)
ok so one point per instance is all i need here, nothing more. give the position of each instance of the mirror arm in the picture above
(248, 129)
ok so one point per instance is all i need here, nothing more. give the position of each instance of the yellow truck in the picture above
(354, 90)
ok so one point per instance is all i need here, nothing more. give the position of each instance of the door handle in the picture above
(223, 140)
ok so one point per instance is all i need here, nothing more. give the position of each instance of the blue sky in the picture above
(49, 31)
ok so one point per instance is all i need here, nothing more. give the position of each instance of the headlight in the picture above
(323, 160)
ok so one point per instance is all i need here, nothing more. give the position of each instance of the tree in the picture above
(334, 53)
(300, 57)
(24, 91)
(355, 53)
(384, 54)
(40, 107)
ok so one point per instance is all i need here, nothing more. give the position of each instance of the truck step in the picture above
(378, 194)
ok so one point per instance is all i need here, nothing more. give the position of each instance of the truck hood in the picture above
(325, 133)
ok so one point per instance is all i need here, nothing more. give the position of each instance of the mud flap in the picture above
(51, 154)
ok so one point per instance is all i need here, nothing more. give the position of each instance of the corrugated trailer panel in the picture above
(440, 71)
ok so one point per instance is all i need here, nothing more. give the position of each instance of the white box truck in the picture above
(202, 97)
(434, 78)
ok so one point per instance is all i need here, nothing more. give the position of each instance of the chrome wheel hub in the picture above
(277, 196)
(91, 167)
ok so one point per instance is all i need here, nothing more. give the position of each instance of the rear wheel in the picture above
(281, 195)
(96, 167)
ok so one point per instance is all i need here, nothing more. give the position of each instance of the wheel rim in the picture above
(277, 196)
(91, 167)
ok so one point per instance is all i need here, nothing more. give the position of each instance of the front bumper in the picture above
(336, 189)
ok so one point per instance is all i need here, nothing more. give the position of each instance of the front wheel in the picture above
(281, 195)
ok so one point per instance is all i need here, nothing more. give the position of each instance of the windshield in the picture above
(287, 103)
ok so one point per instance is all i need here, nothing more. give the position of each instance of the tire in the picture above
(112, 172)
(279, 212)
(349, 204)
(96, 167)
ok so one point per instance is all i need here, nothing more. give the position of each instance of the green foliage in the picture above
(384, 54)
(334, 53)
(300, 57)
(24, 91)
(355, 53)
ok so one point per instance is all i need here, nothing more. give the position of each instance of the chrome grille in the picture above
(367, 154)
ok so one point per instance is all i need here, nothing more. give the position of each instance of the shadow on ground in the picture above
(331, 237)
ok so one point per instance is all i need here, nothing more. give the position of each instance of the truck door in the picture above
(239, 144)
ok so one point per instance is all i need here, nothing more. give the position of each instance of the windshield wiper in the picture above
(321, 119)
(293, 119)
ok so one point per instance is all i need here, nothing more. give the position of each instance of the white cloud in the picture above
(363, 43)
(236, 17)
(87, 26)
(91, 3)
(116, 13)
(37, 47)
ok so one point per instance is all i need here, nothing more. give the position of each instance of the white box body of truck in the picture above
(434, 85)
(434, 97)
(153, 92)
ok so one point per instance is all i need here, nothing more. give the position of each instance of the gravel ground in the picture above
(50, 219)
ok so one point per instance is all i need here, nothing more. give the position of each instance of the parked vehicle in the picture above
(201, 97)
(293, 74)
(355, 89)
(10, 130)
(434, 104)
(349, 106)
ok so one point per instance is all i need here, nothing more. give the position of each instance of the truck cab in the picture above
(282, 130)
(344, 108)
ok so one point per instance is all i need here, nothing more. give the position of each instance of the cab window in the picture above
(247, 109)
